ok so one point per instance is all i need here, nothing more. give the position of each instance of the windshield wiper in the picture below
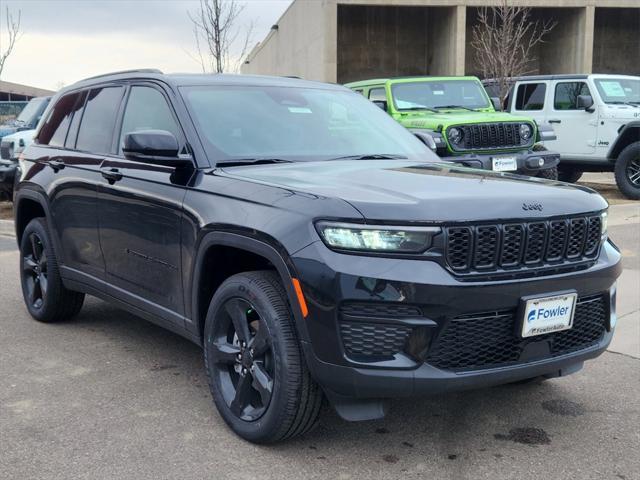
(418, 108)
(251, 161)
(456, 106)
(371, 156)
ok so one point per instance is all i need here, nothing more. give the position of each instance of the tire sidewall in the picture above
(39, 227)
(271, 421)
(630, 153)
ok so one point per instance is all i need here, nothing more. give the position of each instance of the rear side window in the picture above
(147, 109)
(530, 96)
(54, 131)
(377, 94)
(566, 95)
(99, 119)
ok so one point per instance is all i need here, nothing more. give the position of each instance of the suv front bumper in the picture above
(332, 281)
(529, 163)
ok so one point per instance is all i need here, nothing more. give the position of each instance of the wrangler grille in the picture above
(486, 136)
(490, 248)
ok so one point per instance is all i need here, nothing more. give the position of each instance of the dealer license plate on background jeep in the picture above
(548, 314)
(504, 164)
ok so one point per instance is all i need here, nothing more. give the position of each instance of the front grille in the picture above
(487, 340)
(487, 136)
(5, 150)
(489, 248)
(372, 339)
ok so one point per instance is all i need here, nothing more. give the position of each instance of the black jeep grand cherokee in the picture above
(309, 243)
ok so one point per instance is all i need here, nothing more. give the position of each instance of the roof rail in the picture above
(138, 70)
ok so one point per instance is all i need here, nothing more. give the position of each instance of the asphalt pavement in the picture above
(110, 396)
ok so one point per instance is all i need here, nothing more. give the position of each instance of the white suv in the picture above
(596, 119)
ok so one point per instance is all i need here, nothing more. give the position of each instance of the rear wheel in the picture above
(569, 175)
(628, 171)
(256, 370)
(44, 294)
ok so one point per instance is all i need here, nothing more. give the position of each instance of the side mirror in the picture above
(382, 104)
(496, 104)
(153, 146)
(585, 102)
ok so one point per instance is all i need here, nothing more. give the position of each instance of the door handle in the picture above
(56, 165)
(111, 174)
(555, 120)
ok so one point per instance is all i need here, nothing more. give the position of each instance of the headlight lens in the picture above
(377, 238)
(455, 135)
(603, 226)
(525, 131)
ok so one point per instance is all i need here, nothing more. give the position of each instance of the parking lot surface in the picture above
(109, 395)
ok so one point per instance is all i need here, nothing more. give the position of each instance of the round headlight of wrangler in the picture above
(454, 135)
(525, 131)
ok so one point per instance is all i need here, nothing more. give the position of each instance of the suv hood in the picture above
(456, 117)
(409, 191)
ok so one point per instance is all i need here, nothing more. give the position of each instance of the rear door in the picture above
(575, 128)
(140, 211)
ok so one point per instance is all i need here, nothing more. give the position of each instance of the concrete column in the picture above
(330, 14)
(585, 44)
(460, 39)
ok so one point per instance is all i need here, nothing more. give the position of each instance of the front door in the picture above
(140, 213)
(575, 128)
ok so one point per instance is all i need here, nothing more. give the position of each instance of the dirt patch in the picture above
(609, 191)
(6, 211)
(527, 435)
(563, 407)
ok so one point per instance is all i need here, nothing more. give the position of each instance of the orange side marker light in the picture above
(300, 295)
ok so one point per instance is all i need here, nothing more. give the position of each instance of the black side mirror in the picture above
(496, 104)
(585, 102)
(153, 146)
(382, 104)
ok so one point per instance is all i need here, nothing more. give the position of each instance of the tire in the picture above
(548, 173)
(569, 175)
(628, 171)
(45, 297)
(267, 396)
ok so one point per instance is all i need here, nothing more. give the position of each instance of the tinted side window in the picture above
(566, 95)
(377, 94)
(75, 122)
(99, 119)
(54, 130)
(530, 96)
(147, 109)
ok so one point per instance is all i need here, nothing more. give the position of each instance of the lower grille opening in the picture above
(489, 340)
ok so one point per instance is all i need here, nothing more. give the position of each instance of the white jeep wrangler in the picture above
(596, 119)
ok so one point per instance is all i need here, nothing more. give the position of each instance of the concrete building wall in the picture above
(616, 45)
(10, 91)
(344, 40)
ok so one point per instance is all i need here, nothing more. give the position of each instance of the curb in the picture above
(7, 229)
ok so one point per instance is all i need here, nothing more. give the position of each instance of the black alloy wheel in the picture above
(34, 266)
(243, 360)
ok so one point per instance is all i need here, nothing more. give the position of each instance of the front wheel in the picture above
(628, 171)
(256, 370)
(569, 175)
(548, 173)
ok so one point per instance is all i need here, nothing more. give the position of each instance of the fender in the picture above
(283, 266)
(29, 193)
(627, 135)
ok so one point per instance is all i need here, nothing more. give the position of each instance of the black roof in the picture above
(562, 76)
(200, 79)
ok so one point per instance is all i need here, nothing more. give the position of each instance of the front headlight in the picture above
(344, 236)
(525, 131)
(603, 226)
(455, 135)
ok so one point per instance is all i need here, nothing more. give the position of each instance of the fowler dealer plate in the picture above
(548, 314)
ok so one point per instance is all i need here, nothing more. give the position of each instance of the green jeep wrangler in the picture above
(455, 117)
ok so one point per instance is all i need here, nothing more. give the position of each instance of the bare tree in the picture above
(504, 41)
(216, 33)
(13, 34)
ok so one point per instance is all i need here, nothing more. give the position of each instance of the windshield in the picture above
(292, 123)
(31, 110)
(447, 93)
(619, 90)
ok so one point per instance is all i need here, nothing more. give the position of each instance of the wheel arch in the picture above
(30, 204)
(629, 134)
(258, 253)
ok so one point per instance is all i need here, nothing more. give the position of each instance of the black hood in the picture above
(400, 191)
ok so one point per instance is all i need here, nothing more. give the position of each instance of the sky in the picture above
(67, 40)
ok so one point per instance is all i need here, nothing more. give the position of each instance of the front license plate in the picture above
(548, 314)
(504, 164)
